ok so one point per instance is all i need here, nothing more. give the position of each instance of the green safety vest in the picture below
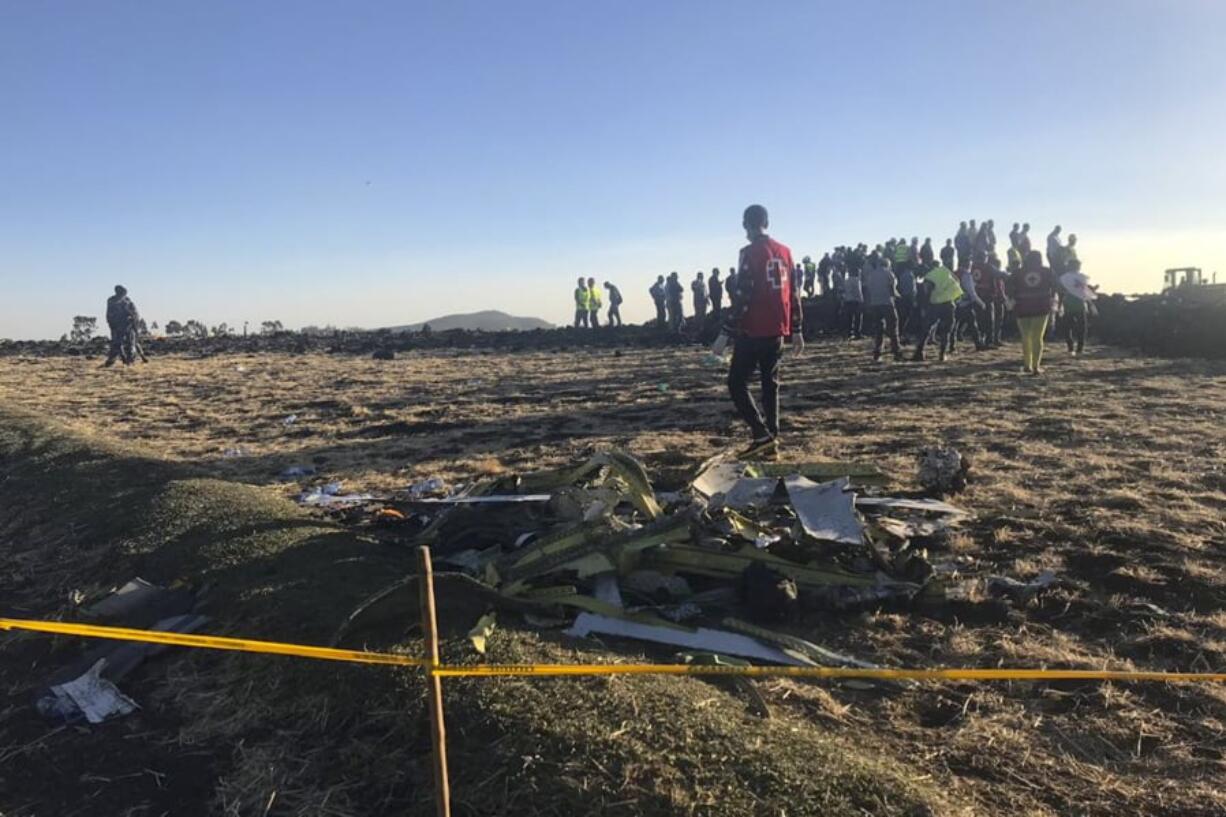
(901, 253)
(593, 299)
(583, 296)
(946, 288)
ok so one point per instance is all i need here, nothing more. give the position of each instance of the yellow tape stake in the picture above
(544, 670)
(210, 642)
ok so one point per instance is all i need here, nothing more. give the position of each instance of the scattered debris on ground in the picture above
(86, 689)
(765, 542)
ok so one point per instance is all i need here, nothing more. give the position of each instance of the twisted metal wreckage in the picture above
(744, 545)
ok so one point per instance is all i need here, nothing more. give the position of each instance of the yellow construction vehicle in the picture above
(1189, 284)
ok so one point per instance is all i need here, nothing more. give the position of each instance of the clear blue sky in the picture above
(379, 163)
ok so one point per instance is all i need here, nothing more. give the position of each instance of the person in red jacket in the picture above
(766, 310)
(1032, 289)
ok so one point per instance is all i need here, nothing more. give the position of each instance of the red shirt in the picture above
(985, 281)
(1032, 292)
(768, 265)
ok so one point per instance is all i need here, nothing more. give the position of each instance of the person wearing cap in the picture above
(615, 304)
(766, 310)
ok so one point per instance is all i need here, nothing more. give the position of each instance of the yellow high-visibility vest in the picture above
(946, 288)
(582, 298)
(593, 299)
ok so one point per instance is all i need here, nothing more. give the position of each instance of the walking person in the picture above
(583, 300)
(766, 311)
(730, 287)
(943, 290)
(1032, 290)
(997, 302)
(1077, 297)
(615, 304)
(965, 310)
(122, 319)
(657, 298)
(983, 276)
(906, 304)
(880, 293)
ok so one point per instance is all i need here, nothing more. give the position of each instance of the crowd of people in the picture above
(909, 293)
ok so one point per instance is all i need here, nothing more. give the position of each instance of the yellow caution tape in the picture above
(554, 670)
(211, 642)
(882, 674)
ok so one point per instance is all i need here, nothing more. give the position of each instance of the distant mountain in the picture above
(490, 320)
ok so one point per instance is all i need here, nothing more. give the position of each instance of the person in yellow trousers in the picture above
(583, 298)
(1031, 291)
(594, 302)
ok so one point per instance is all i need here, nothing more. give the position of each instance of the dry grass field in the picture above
(1109, 470)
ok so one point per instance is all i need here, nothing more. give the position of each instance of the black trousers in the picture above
(717, 304)
(675, 316)
(855, 318)
(661, 318)
(906, 313)
(940, 318)
(615, 315)
(1075, 327)
(122, 346)
(964, 321)
(762, 354)
(594, 318)
(580, 317)
(882, 322)
(985, 316)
